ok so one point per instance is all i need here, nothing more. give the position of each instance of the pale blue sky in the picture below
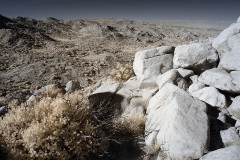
(128, 9)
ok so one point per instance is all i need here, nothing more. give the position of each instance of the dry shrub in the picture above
(58, 127)
(133, 120)
(121, 73)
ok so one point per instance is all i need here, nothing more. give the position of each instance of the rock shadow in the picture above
(123, 144)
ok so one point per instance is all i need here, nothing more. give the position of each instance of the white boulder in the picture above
(146, 58)
(230, 137)
(196, 56)
(209, 95)
(234, 108)
(176, 124)
(230, 62)
(228, 40)
(149, 64)
(221, 79)
(228, 153)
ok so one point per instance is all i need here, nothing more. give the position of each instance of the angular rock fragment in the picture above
(230, 137)
(221, 79)
(228, 153)
(149, 64)
(176, 124)
(197, 57)
(234, 108)
(228, 40)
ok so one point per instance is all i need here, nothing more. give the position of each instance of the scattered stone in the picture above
(71, 86)
(177, 124)
(221, 79)
(3, 110)
(228, 153)
(197, 57)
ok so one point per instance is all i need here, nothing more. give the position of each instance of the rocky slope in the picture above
(182, 103)
(34, 53)
(188, 97)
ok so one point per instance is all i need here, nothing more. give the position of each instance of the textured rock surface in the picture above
(171, 114)
(171, 76)
(230, 62)
(146, 58)
(211, 96)
(228, 40)
(230, 137)
(234, 108)
(71, 86)
(149, 64)
(186, 73)
(221, 79)
(197, 56)
(104, 93)
(228, 153)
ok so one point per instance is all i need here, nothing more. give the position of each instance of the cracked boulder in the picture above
(149, 64)
(176, 125)
(210, 95)
(221, 79)
(197, 57)
(228, 40)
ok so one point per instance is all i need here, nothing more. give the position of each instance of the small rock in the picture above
(171, 76)
(234, 108)
(222, 117)
(3, 110)
(185, 73)
(228, 153)
(230, 137)
(71, 86)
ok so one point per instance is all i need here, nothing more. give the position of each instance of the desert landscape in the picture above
(119, 89)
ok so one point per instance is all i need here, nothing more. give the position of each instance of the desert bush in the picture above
(59, 127)
(132, 120)
(121, 72)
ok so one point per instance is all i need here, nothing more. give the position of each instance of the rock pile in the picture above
(190, 96)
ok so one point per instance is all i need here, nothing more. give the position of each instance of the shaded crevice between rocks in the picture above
(123, 144)
(215, 141)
